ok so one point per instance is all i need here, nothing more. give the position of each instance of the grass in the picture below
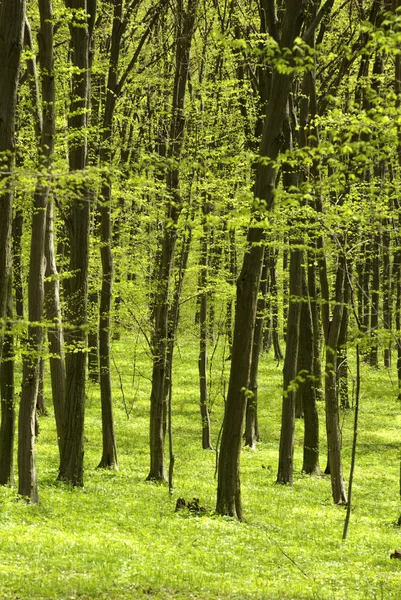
(119, 537)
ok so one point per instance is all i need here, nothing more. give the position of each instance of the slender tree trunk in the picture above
(72, 451)
(54, 330)
(228, 487)
(17, 271)
(27, 480)
(307, 389)
(278, 353)
(12, 16)
(109, 453)
(386, 290)
(52, 305)
(374, 318)
(93, 337)
(186, 26)
(290, 370)
(203, 330)
(332, 412)
(342, 358)
(7, 429)
(251, 417)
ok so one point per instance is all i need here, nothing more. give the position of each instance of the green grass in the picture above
(120, 538)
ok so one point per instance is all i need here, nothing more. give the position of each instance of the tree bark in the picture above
(7, 429)
(12, 16)
(251, 416)
(228, 487)
(332, 413)
(307, 389)
(76, 287)
(203, 329)
(186, 26)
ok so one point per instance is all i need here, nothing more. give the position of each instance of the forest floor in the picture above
(119, 537)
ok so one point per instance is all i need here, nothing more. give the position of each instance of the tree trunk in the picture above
(7, 429)
(76, 287)
(332, 413)
(386, 289)
(12, 16)
(251, 417)
(278, 353)
(307, 389)
(342, 358)
(27, 479)
(93, 337)
(186, 26)
(52, 305)
(228, 487)
(18, 278)
(290, 370)
(54, 331)
(203, 330)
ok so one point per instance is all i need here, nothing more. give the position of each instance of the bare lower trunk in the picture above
(76, 287)
(93, 337)
(54, 331)
(27, 479)
(331, 398)
(251, 417)
(307, 388)
(7, 429)
(203, 332)
(228, 486)
(290, 371)
(109, 454)
(12, 16)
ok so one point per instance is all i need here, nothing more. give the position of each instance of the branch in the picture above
(137, 52)
(326, 8)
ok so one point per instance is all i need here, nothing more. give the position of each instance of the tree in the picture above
(228, 490)
(12, 16)
(185, 24)
(82, 19)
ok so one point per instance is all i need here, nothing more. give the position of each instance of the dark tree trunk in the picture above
(7, 429)
(251, 417)
(332, 412)
(186, 26)
(12, 16)
(314, 306)
(232, 276)
(93, 337)
(307, 389)
(203, 330)
(109, 455)
(278, 353)
(76, 287)
(386, 289)
(290, 370)
(228, 487)
(54, 331)
(342, 355)
(52, 305)
(18, 277)
(27, 479)
(31, 363)
(374, 318)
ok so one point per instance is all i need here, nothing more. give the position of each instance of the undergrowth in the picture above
(119, 537)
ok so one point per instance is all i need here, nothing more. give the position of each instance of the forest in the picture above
(200, 299)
